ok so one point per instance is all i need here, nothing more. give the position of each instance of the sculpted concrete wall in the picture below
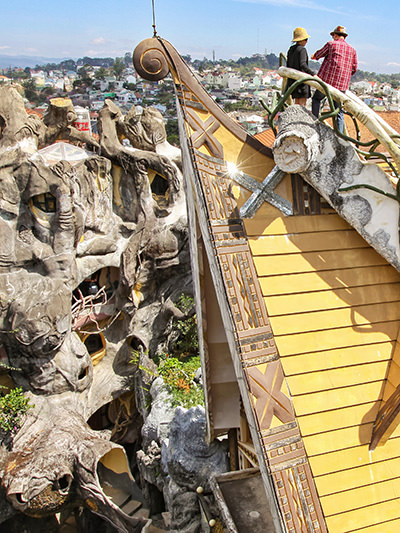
(93, 257)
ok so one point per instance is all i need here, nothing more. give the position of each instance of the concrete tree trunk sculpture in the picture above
(361, 192)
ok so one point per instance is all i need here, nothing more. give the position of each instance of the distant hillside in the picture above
(26, 61)
(244, 65)
(32, 61)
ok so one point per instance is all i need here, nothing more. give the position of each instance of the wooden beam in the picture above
(386, 421)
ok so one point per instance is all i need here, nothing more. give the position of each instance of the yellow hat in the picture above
(299, 34)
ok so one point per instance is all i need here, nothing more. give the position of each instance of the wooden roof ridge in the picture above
(145, 60)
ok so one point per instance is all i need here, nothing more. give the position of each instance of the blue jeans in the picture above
(315, 105)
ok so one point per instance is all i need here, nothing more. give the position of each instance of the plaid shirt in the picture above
(339, 65)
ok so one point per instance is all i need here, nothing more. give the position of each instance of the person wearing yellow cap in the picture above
(297, 58)
(340, 63)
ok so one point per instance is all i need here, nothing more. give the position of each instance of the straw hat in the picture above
(299, 34)
(340, 30)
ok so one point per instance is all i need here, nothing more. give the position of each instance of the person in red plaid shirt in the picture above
(340, 63)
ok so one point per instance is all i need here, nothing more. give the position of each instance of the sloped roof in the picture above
(391, 117)
(38, 112)
(267, 137)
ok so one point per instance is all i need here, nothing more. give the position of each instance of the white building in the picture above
(235, 83)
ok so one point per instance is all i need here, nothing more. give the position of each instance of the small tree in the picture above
(172, 131)
(128, 59)
(118, 67)
(84, 79)
(130, 86)
(30, 90)
(101, 74)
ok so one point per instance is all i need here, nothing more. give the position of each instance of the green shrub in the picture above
(178, 377)
(13, 406)
(178, 370)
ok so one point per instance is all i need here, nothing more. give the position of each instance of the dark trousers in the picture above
(318, 96)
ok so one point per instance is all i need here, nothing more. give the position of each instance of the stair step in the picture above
(119, 497)
(154, 529)
(142, 513)
(130, 507)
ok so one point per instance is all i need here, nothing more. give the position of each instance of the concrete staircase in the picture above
(129, 506)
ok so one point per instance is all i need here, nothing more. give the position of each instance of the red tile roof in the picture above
(35, 112)
(266, 137)
(391, 117)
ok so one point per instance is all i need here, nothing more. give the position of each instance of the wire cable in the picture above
(154, 20)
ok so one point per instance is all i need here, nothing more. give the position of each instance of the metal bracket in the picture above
(262, 192)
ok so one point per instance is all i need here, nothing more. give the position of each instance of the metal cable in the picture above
(154, 19)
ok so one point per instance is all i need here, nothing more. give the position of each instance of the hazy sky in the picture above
(232, 28)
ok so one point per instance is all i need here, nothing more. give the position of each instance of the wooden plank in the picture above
(333, 299)
(329, 420)
(394, 375)
(387, 420)
(336, 378)
(344, 357)
(299, 224)
(312, 307)
(358, 477)
(388, 417)
(337, 398)
(335, 318)
(336, 338)
(339, 439)
(353, 457)
(307, 242)
(316, 261)
(328, 280)
(380, 515)
(363, 496)
(389, 526)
